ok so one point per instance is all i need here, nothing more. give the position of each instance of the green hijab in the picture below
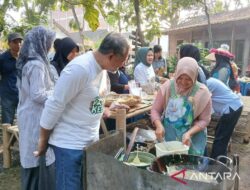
(141, 56)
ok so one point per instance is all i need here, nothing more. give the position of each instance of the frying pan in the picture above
(200, 164)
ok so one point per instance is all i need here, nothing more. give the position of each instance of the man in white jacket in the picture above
(71, 118)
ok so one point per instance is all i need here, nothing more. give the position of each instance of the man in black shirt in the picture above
(8, 88)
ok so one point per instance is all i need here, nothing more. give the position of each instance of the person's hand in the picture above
(126, 87)
(162, 80)
(106, 113)
(160, 133)
(41, 149)
(116, 105)
(186, 139)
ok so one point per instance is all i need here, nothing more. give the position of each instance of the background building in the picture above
(232, 28)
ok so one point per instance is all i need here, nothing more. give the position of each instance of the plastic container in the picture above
(171, 147)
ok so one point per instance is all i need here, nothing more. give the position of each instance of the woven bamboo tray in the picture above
(128, 99)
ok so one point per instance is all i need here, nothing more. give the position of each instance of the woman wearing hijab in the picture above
(66, 50)
(35, 84)
(144, 72)
(223, 69)
(189, 50)
(185, 107)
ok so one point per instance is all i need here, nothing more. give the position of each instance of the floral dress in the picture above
(178, 119)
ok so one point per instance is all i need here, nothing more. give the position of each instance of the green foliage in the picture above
(92, 9)
(36, 11)
(111, 20)
(204, 52)
(172, 62)
(91, 15)
(97, 44)
(130, 70)
(153, 14)
(218, 7)
(153, 31)
(73, 25)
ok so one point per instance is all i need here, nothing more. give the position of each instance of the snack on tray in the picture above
(130, 100)
(244, 79)
(127, 99)
(111, 98)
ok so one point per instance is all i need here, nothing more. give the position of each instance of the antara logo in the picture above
(200, 176)
(183, 172)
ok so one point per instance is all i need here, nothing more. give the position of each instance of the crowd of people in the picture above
(60, 102)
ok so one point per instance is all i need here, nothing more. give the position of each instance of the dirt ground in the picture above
(10, 178)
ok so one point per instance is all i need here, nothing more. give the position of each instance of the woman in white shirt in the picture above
(144, 72)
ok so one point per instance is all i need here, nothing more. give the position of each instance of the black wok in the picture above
(202, 164)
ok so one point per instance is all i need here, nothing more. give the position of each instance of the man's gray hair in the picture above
(114, 43)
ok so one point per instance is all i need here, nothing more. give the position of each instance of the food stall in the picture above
(106, 167)
(103, 171)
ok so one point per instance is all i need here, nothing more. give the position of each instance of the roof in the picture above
(219, 18)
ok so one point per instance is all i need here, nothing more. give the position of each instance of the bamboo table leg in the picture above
(104, 128)
(6, 148)
(121, 123)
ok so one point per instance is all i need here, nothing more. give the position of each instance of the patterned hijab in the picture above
(36, 45)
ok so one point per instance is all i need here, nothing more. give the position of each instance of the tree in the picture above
(91, 10)
(215, 6)
(138, 21)
(36, 11)
(4, 6)
(148, 17)
(210, 35)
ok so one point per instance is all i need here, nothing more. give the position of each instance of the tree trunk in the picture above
(78, 25)
(27, 10)
(211, 45)
(119, 19)
(138, 21)
(174, 16)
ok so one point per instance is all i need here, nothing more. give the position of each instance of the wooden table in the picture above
(121, 115)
